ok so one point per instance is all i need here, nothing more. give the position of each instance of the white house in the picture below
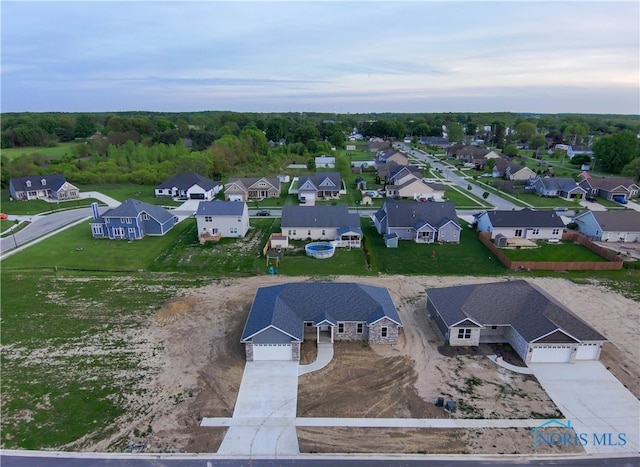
(331, 223)
(325, 162)
(222, 219)
(525, 223)
(189, 186)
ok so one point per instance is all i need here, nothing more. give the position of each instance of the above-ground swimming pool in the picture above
(320, 250)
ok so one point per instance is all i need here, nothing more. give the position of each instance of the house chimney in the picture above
(94, 210)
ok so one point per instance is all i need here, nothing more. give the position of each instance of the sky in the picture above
(321, 56)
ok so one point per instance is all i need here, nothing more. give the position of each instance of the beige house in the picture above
(243, 189)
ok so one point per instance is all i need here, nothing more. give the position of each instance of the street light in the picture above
(13, 232)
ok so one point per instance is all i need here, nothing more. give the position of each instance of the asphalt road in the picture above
(498, 202)
(42, 225)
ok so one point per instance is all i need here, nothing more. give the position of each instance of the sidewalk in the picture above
(324, 357)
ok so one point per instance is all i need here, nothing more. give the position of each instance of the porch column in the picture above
(317, 334)
(331, 327)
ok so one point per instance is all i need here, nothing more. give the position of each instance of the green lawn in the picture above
(543, 201)
(55, 152)
(122, 192)
(462, 199)
(37, 206)
(469, 257)
(566, 251)
(75, 248)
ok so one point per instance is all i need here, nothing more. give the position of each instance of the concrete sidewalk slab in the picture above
(595, 402)
(324, 357)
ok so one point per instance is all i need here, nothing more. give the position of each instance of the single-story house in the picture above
(321, 185)
(391, 155)
(412, 187)
(607, 188)
(439, 141)
(377, 144)
(189, 186)
(325, 162)
(331, 223)
(53, 186)
(222, 219)
(537, 327)
(524, 223)
(132, 220)
(560, 187)
(610, 226)
(506, 169)
(243, 189)
(281, 316)
(419, 222)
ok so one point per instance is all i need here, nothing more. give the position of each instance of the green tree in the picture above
(537, 143)
(454, 132)
(632, 169)
(525, 131)
(613, 152)
(510, 150)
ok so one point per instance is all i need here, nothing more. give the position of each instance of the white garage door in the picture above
(551, 354)
(272, 352)
(235, 197)
(587, 352)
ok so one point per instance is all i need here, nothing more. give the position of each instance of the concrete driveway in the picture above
(595, 402)
(264, 418)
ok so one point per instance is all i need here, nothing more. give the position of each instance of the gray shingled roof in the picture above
(618, 221)
(319, 177)
(560, 183)
(408, 213)
(53, 182)
(288, 306)
(220, 208)
(186, 181)
(318, 216)
(133, 207)
(609, 183)
(525, 218)
(529, 310)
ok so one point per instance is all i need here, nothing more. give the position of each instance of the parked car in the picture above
(263, 212)
(3, 216)
(620, 199)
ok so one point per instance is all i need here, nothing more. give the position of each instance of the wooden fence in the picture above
(614, 261)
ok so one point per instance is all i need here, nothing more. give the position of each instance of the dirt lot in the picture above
(201, 369)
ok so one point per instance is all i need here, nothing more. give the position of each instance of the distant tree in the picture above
(510, 150)
(537, 142)
(632, 169)
(580, 159)
(422, 129)
(454, 132)
(311, 164)
(613, 152)
(525, 131)
(337, 139)
(84, 127)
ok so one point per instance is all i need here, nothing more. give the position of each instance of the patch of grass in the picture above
(564, 251)
(121, 192)
(55, 152)
(37, 206)
(75, 248)
(344, 261)
(543, 201)
(469, 257)
(462, 199)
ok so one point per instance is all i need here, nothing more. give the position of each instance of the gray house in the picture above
(524, 223)
(537, 327)
(281, 316)
(607, 188)
(222, 219)
(53, 186)
(559, 187)
(419, 222)
(322, 185)
(331, 223)
(610, 226)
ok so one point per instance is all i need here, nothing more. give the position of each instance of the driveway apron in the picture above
(595, 402)
(264, 418)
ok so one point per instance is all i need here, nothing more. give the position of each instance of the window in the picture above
(43, 181)
(359, 328)
(97, 229)
(208, 218)
(464, 333)
(118, 232)
(556, 231)
(340, 328)
(145, 216)
(383, 331)
(535, 231)
(132, 232)
(122, 220)
(308, 324)
(309, 232)
(128, 220)
(28, 183)
(289, 231)
(233, 230)
(107, 220)
(323, 232)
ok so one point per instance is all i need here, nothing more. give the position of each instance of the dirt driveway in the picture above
(201, 368)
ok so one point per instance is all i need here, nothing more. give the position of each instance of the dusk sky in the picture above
(356, 56)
